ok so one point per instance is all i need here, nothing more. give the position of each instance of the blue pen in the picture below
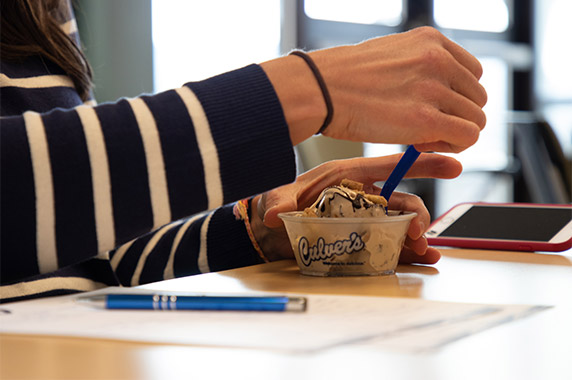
(399, 171)
(179, 302)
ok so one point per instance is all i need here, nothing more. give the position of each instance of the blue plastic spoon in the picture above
(399, 171)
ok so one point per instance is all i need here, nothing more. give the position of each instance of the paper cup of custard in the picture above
(329, 246)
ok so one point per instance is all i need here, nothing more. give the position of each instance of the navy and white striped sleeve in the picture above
(207, 242)
(77, 182)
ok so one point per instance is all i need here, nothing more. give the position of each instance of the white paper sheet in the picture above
(399, 324)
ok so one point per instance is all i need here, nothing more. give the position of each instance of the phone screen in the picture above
(509, 223)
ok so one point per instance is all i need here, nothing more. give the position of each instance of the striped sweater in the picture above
(134, 191)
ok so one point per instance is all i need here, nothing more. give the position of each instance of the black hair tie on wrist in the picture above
(323, 87)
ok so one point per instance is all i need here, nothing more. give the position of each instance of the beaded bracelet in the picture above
(240, 211)
(329, 106)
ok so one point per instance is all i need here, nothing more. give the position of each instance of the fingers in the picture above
(308, 186)
(274, 202)
(410, 202)
(464, 58)
(452, 87)
(305, 190)
(418, 251)
(439, 146)
(467, 85)
(369, 170)
(439, 113)
(428, 165)
(433, 165)
(436, 126)
(419, 246)
(457, 104)
(430, 256)
(447, 60)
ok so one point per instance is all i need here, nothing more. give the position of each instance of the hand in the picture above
(416, 87)
(269, 229)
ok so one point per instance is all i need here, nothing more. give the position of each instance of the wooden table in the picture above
(536, 347)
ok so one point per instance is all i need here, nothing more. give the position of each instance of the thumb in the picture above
(271, 219)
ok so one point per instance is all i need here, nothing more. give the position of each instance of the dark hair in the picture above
(32, 27)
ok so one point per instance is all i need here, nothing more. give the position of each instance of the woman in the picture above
(142, 189)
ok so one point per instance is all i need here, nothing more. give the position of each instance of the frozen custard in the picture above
(348, 200)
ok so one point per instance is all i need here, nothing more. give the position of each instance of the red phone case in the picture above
(509, 245)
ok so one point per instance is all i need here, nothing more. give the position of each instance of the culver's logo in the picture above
(324, 251)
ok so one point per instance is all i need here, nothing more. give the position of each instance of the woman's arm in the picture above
(207, 242)
(82, 181)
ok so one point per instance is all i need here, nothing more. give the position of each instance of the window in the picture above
(193, 40)
(553, 74)
(387, 12)
(478, 15)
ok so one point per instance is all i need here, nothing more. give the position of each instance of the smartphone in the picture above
(506, 226)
